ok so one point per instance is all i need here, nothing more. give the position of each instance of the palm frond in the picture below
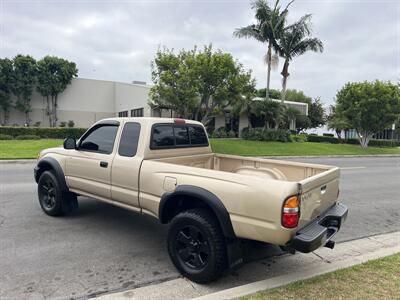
(249, 32)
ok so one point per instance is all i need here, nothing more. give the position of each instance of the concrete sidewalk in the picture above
(278, 271)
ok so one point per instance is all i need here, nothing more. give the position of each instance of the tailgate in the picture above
(317, 194)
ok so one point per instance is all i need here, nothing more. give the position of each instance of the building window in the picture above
(137, 112)
(123, 114)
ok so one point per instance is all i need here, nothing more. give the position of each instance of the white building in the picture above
(86, 101)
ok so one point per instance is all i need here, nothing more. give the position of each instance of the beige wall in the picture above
(86, 101)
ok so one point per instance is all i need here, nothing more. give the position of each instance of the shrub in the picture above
(27, 137)
(328, 134)
(70, 124)
(5, 137)
(322, 139)
(220, 133)
(53, 133)
(63, 124)
(372, 143)
(262, 134)
(299, 138)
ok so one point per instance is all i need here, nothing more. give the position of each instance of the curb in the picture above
(17, 161)
(261, 285)
(280, 271)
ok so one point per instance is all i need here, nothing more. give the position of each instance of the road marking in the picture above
(352, 168)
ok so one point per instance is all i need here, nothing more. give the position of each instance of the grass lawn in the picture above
(15, 149)
(377, 279)
(257, 148)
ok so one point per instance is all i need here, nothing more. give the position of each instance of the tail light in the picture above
(291, 212)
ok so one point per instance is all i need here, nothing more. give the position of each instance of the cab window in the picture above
(129, 139)
(169, 136)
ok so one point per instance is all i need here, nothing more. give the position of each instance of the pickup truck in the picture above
(165, 168)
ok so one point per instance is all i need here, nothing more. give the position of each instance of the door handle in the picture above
(103, 164)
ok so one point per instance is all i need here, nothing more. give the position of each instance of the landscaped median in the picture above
(376, 279)
(25, 149)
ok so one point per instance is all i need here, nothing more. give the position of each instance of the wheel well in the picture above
(44, 166)
(179, 203)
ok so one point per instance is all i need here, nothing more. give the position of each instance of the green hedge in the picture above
(372, 143)
(27, 137)
(222, 133)
(5, 137)
(262, 134)
(50, 133)
(322, 139)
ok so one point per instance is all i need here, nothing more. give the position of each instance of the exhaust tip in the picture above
(330, 244)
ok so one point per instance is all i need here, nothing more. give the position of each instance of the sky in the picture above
(116, 40)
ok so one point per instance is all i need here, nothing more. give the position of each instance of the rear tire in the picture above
(196, 245)
(52, 200)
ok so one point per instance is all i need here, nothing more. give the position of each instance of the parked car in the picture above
(165, 168)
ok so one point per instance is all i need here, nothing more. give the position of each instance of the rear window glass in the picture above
(197, 135)
(181, 135)
(129, 139)
(163, 136)
(167, 136)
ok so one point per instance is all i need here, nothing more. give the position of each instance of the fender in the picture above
(207, 197)
(49, 163)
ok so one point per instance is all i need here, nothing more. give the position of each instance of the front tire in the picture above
(52, 200)
(196, 245)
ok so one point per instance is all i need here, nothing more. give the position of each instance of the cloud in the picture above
(117, 40)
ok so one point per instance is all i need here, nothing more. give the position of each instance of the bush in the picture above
(5, 137)
(53, 133)
(372, 143)
(328, 134)
(71, 124)
(299, 138)
(261, 134)
(28, 137)
(322, 139)
(222, 133)
(63, 124)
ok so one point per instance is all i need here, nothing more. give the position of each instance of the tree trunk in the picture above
(269, 58)
(55, 111)
(6, 116)
(48, 111)
(27, 121)
(364, 138)
(285, 75)
(339, 134)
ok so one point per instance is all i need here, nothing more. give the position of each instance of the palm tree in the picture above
(270, 111)
(296, 40)
(270, 23)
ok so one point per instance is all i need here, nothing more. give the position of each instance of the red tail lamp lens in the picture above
(291, 212)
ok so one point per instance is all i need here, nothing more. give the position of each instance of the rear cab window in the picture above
(169, 136)
(129, 139)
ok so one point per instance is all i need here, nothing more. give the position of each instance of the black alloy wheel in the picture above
(192, 247)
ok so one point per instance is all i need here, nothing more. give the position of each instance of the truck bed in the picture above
(318, 185)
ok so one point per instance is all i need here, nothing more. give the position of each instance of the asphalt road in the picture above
(101, 248)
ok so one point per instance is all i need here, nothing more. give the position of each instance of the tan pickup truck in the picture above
(165, 168)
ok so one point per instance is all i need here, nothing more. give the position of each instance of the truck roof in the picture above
(150, 120)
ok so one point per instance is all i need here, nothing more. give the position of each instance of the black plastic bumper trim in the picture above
(321, 230)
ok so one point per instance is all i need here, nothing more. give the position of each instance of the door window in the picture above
(100, 139)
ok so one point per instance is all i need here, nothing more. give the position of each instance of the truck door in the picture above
(126, 167)
(88, 169)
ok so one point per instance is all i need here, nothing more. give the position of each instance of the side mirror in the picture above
(69, 143)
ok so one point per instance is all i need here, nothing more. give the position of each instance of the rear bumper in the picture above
(321, 230)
